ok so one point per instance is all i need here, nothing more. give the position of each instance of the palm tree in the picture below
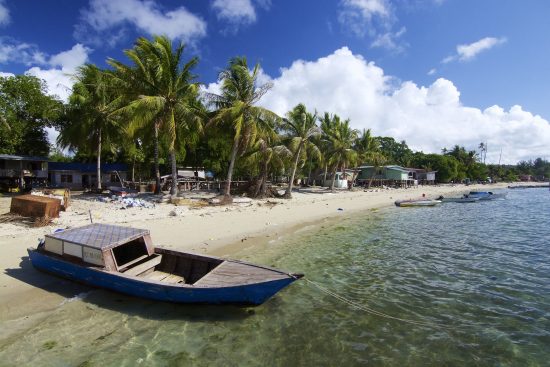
(161, 93)
(235, 106)
(340, 138)
(366, 147)
(92, 123)
(265, 150)
(301, 128)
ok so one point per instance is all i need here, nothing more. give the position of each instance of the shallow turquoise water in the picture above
(478, 274)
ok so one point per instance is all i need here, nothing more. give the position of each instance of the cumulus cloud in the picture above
(468, 52)
(59, 70)
(23, 53)
(6, 75)
(4, 14)
(146, 16)
(429, 118)
(235, 11)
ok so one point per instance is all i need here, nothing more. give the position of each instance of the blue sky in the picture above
(432, 72)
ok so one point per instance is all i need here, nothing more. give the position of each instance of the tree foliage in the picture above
(25, 112)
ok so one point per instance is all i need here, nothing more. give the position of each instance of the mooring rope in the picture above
(372, 311)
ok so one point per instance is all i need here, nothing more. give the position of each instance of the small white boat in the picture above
(417, 202)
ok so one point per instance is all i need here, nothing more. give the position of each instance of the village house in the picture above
(84, 175)
(18, 171)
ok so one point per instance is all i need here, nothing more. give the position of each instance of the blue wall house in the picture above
(84, 175)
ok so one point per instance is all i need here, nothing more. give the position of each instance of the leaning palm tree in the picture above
(161, 91)
(301, 128)
(340, 138)
(236, 107)
(267, 149)
(92, 124)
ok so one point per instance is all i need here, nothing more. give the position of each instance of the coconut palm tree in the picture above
(161, 92)
(366, 147)
(236, 107)
(92, 123)
(265, 150)
(301, 128)
(340, 137)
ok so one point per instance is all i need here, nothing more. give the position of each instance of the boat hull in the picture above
(460, 200)
(251, 294)
(408, 203)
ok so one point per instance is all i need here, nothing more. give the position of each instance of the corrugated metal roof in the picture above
(86, 167)
(23, 158)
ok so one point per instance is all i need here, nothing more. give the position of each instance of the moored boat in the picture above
(123, 259)
(464, 199)
(419, 202)
(486, 195)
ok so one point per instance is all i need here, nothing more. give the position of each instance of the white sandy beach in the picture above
(218, 230)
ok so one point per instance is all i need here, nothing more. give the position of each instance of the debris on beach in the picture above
(127, 201)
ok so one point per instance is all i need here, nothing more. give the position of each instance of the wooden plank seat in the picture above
(161, 276)
(143, 267)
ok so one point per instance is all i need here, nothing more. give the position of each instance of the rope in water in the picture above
(370, 310)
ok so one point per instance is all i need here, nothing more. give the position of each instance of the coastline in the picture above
(216, 230)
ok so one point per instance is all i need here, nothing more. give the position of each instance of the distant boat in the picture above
(418, 202)
(486, 195)
(463, 199)
(123, 259)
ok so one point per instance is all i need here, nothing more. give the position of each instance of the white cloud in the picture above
(23, 53)
(428, 118)
(432, 71)
(146, 16)
(389, 40)
(62, 66)
(6, 75)
(4, 14)
(470, 51)
(235, 11)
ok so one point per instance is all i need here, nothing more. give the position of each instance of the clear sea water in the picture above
(477, 275)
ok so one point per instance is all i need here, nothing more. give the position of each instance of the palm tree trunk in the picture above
(262, 189)
(333, 178)
(288, 193)
(325, 175)
(156, 158)
(174, 186)
(227, 189)
(99, 159)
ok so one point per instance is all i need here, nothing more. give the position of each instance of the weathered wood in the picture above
(35, 206)
(234, 273)
(141, 268)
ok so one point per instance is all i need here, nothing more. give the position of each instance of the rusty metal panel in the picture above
(35, 206)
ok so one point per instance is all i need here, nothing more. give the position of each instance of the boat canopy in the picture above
(101, 244)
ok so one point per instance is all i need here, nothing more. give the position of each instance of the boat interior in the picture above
(163, 265)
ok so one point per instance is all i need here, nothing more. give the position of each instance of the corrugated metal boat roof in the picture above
(100, 236)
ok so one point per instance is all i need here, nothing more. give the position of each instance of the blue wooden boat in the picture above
(486, 195)
(123, 259)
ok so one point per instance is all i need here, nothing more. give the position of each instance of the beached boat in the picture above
(123, 259)
(419, 202)
(486, 195)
